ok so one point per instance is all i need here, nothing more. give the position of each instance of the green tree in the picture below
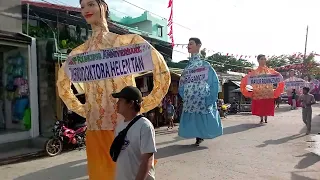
(222, 63)
(203, 53)
(277, 61)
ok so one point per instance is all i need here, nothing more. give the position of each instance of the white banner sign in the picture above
(109, 63)
(194, 75)
(295, 83)
(265, 79)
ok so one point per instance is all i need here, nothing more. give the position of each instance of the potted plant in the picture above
(64, 46)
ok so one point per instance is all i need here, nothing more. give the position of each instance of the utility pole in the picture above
(28, 13)
(306, 42)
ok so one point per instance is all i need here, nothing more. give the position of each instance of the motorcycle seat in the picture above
(77, 126)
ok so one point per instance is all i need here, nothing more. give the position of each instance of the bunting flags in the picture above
(242, 56)
(170, 22)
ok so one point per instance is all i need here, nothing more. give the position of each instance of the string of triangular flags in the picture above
(243, 56)
(170, 22)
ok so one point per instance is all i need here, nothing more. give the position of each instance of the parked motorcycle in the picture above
(233, 108)
(64, 136)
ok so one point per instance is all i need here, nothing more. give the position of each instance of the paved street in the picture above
(247, 150)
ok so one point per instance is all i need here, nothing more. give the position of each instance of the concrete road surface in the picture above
(247, 150)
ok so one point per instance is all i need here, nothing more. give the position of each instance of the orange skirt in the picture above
(100, 164)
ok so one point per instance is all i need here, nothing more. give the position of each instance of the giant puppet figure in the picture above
(294, 84)
(198, 87)
(100, 108)
(263, 93)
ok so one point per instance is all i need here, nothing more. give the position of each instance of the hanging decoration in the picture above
(246, 56)
(170, 22)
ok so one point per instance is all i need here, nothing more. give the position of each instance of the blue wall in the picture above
(145, 24)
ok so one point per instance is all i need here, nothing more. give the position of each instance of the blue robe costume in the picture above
(200, 117)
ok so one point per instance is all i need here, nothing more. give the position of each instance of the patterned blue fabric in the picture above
(200, 117)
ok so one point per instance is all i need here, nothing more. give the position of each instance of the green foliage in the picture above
(283, 60)
(67, 42)
(203, 53)
(38, 32)
(222, 63)
(277, 61)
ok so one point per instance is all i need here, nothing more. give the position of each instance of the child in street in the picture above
(170, 114)
(307, 100)
(294, 99)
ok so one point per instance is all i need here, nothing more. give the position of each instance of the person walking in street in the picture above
(136, 159)
(277, 102)
(198, 88)
(307, 100)
(170, 115)
(294, 98)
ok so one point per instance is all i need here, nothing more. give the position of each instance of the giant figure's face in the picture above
(193, 47)
(262, 61)
(92, 11)
(291, 73)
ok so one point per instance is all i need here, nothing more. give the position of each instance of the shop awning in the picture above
(12, 37)
(237, 83)
(248, 87)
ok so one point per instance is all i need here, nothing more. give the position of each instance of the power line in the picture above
(153, 13)
(80, 19)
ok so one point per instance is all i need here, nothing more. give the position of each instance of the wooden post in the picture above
(58, 100)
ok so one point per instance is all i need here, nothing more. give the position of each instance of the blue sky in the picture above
(246, 27)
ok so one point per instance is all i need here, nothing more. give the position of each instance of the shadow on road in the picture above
(165, 131)
(280, 141)
(295, 176)
(282, 109)
(71, 170)
(239, 128)
(308, 160)
(175, 139)
(174, 150)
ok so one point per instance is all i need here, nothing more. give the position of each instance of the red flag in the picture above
(170, 22)
(170, 3)
(170, 31)
(171, 15)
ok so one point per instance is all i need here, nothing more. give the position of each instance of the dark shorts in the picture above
(170, 117)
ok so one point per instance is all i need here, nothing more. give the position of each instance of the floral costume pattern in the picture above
(200, 117)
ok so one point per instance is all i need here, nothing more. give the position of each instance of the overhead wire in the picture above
(153, 13)
(80, 19)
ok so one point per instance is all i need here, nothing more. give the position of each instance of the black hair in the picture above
(136, 105)
(99, 3)
(260, 56)
(306, 89)
(196, 40)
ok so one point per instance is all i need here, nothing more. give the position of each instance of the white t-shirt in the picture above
(140, 140)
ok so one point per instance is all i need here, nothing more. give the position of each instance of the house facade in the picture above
(58, 28)
(19, 111)
(146, 24)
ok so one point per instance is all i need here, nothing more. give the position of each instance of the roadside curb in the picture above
(21, 158)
